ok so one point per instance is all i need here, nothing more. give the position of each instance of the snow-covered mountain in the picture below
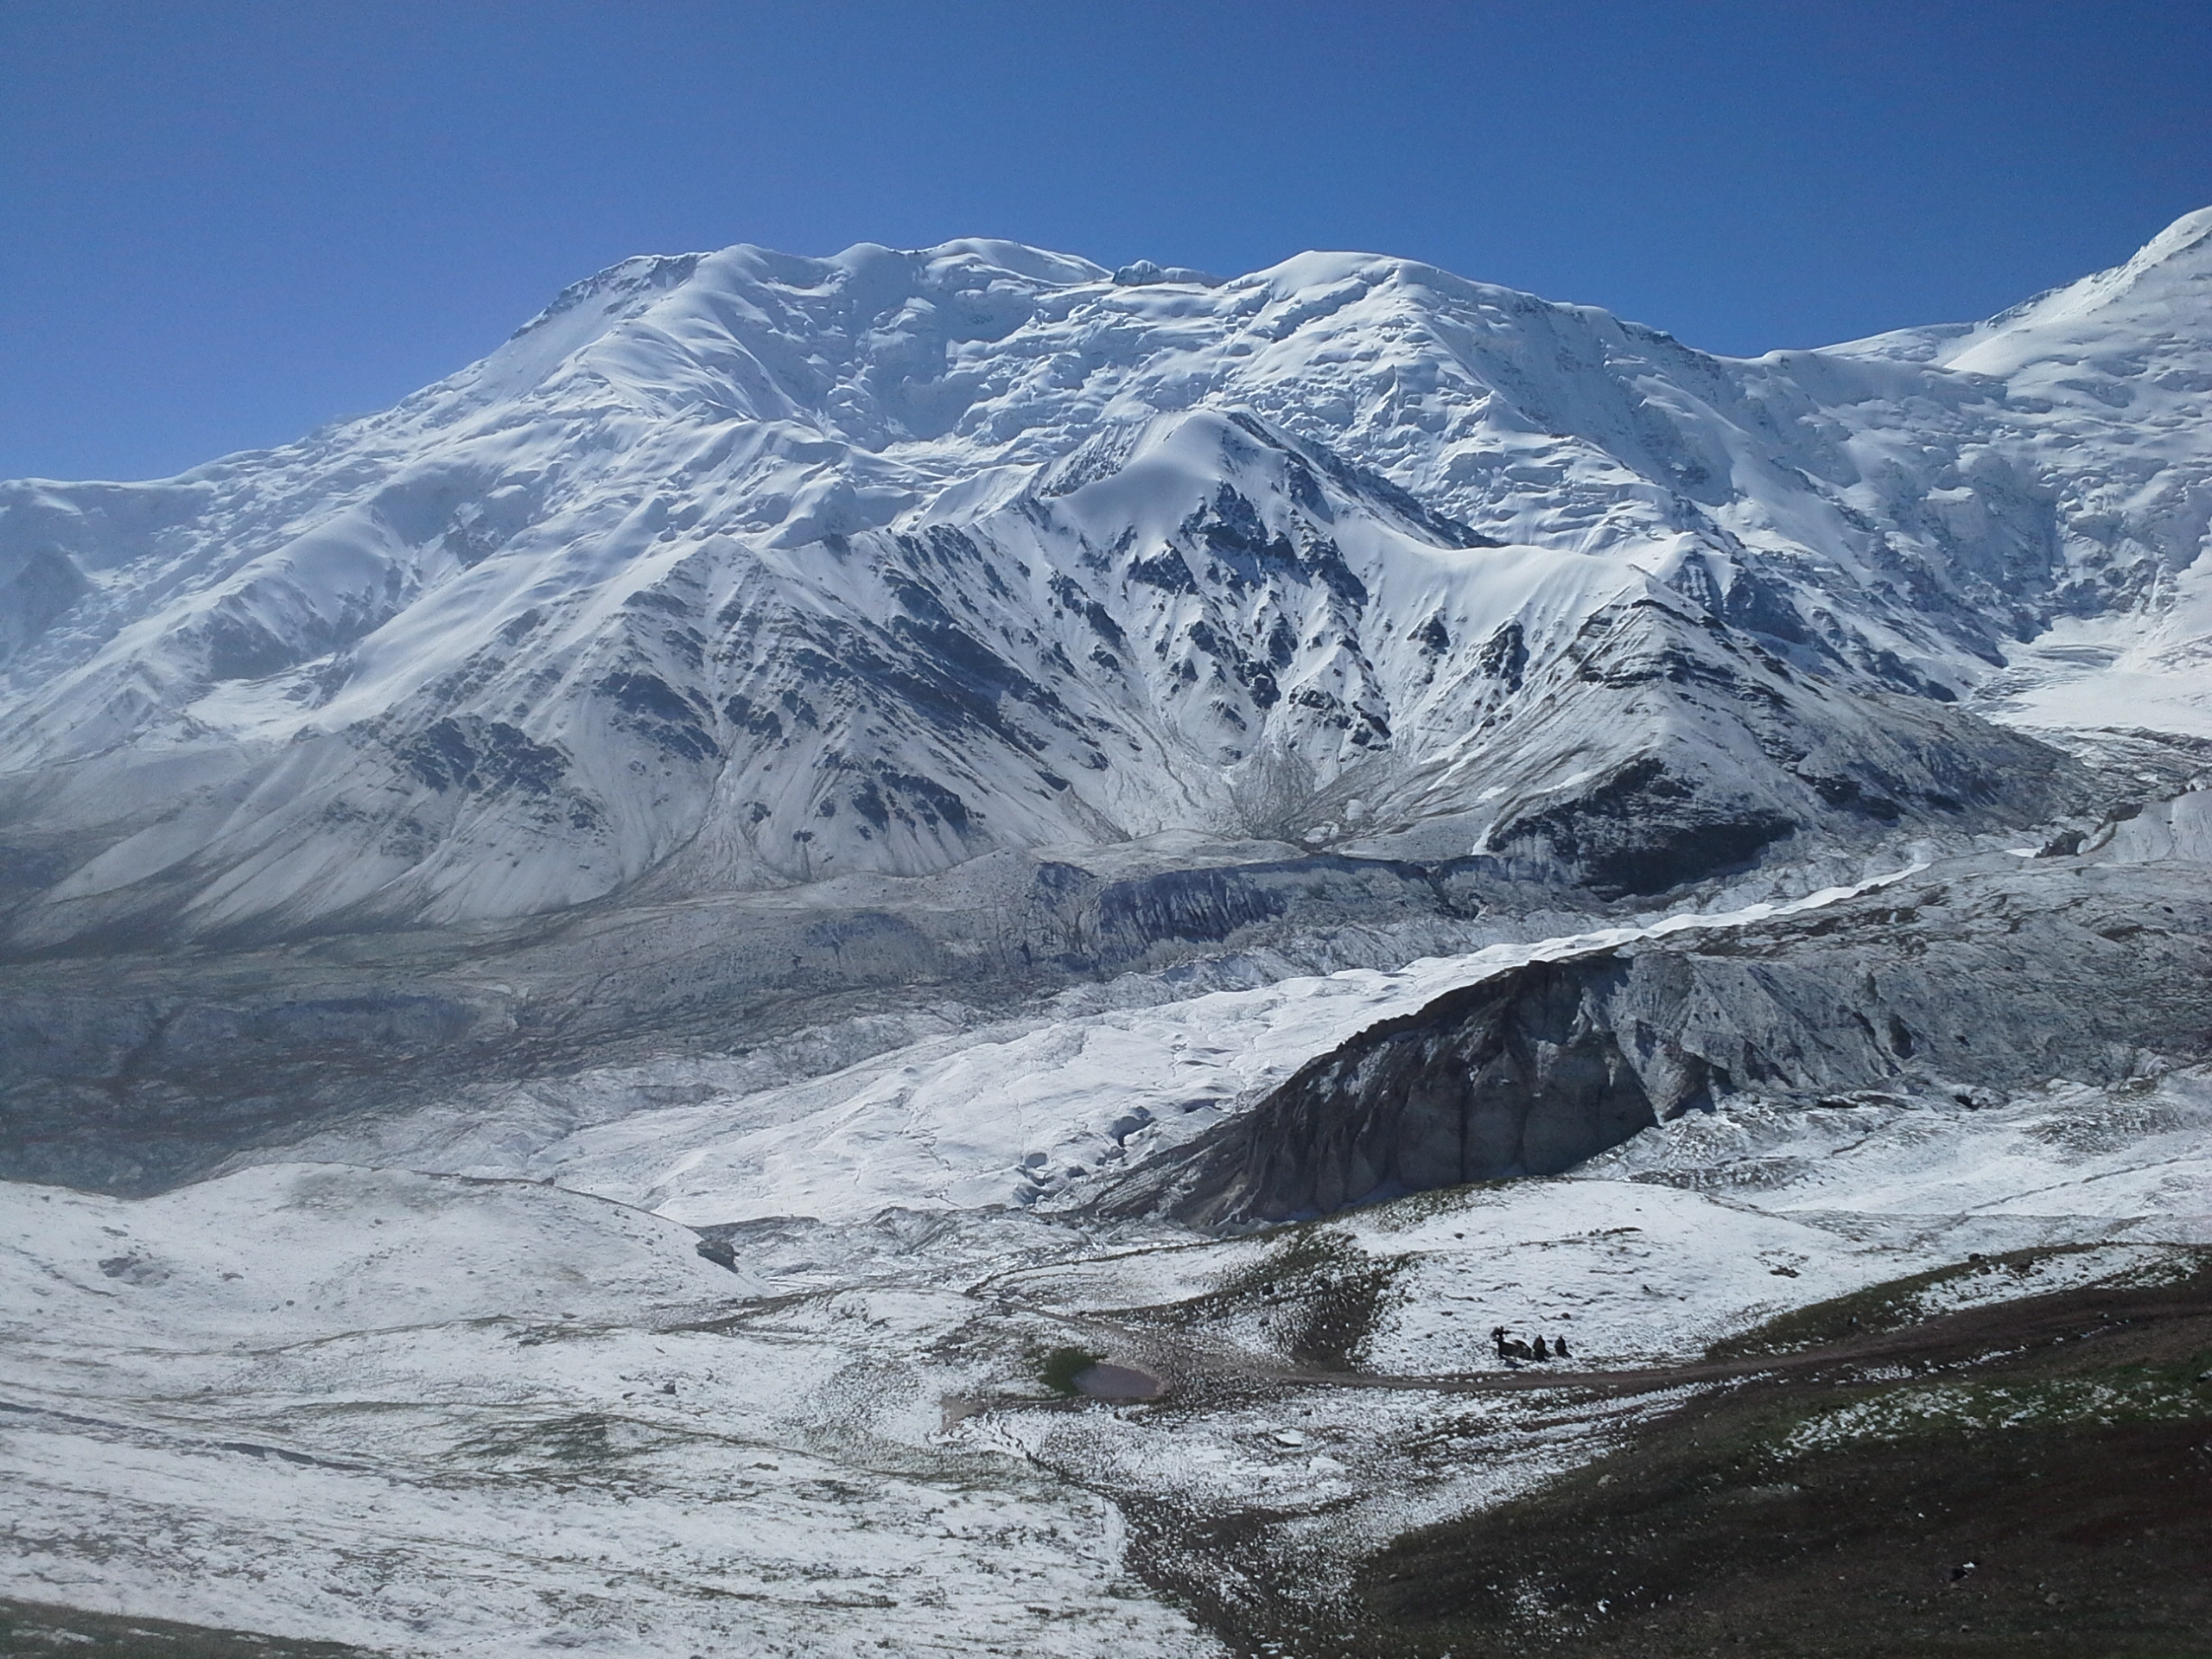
(1082, 767)
(739, 570)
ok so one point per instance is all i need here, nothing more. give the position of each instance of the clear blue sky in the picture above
(223, 223)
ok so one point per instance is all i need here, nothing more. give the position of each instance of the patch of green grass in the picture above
(1059, 1368)
(1402, 1215)
(1879, 1309)
(1890, 1306)
(2114, 1397)
(582, 1439)
(1305, 1253)
(1319, 1293)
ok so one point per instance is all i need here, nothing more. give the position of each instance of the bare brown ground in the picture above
(2086, 1534)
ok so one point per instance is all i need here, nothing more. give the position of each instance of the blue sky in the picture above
(223, 223)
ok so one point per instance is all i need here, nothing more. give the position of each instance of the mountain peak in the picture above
(2180, 254)
(2163, 293)
(2190, 234)
(744, 568)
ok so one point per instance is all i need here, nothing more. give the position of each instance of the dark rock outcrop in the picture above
(1991, 979)
(1520, 1075)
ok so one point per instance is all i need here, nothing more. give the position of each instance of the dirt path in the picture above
(1942, 1340)
(1948, 1339)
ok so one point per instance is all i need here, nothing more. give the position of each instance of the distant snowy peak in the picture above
(2160, 299)
(2162, 290)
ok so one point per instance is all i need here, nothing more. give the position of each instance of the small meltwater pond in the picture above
(1107, 1382)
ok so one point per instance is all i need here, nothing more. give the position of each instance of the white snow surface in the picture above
(435, 1417)
(439, 1416)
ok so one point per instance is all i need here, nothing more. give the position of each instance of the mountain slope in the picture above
(739, 570)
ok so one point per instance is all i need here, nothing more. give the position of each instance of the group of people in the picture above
(1514, 1348)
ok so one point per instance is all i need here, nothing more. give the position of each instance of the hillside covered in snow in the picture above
(736, 571)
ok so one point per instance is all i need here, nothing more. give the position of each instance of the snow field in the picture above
(844, 1442)
(686, 1457)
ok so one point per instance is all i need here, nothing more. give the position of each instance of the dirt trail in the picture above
(1946, 1339)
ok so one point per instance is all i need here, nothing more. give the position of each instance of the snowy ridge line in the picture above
(1577, 944)
(881, 563)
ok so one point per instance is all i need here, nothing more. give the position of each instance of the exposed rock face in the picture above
(1519, 1075)
(1995, 979)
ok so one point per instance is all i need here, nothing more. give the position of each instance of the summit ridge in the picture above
(739, 570)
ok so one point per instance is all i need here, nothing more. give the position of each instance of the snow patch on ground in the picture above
(438, 1415)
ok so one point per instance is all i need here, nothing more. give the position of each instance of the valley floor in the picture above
(449, 1415)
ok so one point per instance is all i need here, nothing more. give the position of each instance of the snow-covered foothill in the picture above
(436, 1416)
(294, 1252)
